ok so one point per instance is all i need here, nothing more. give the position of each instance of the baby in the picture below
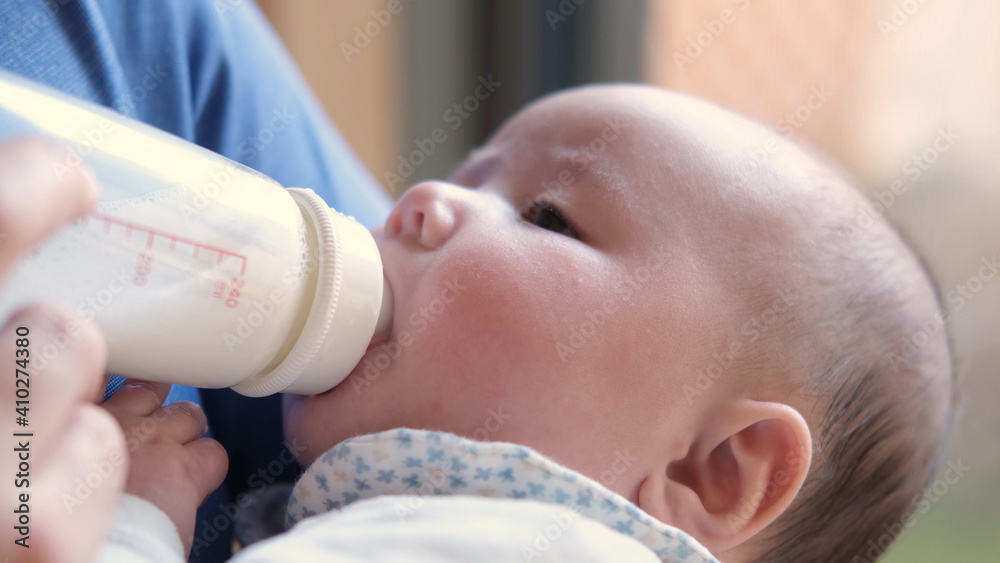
(662, 297)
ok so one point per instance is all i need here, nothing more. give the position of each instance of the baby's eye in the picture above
(546, 216)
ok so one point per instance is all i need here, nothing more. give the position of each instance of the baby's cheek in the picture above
(486, 320)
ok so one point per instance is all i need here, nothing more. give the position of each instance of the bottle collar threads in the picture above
(344, 310)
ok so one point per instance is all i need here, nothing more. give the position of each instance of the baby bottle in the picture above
(199, 270)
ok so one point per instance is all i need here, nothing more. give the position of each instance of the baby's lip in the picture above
(375, 343)
(379, 340)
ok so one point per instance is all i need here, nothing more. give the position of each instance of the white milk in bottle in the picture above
(198, 270)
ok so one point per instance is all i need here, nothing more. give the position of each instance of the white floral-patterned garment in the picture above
(422, 464)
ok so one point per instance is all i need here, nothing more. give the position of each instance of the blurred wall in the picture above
(765, 59)
(350, 57)
(391, 72)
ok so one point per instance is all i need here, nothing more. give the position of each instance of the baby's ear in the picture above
(741, 472)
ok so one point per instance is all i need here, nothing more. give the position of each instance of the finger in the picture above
(78, 489)
(181, 421)
(36, 197)
(67, 357)
(138, 398)
(213, 463)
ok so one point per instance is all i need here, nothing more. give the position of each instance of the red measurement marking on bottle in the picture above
(234, 294)
(142, 269)
(232, 300)
(153, 233)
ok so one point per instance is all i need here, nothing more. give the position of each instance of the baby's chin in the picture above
(313, 424)
(293, 419)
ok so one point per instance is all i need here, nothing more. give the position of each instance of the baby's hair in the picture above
(882, 387)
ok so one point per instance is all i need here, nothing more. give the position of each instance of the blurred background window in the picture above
(874, 83)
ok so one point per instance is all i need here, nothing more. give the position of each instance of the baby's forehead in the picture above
(649, 137)
(654, 118)
(683, 148)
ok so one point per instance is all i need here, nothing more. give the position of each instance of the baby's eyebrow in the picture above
(477, 159)
(477, 153)
(572, 168)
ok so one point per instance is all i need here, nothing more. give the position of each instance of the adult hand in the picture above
(62, 480)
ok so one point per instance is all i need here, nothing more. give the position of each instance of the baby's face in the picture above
(556, 291)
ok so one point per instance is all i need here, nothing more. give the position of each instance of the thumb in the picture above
(79, 486)
(36, 196)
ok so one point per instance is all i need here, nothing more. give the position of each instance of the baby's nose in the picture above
(424, 213)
